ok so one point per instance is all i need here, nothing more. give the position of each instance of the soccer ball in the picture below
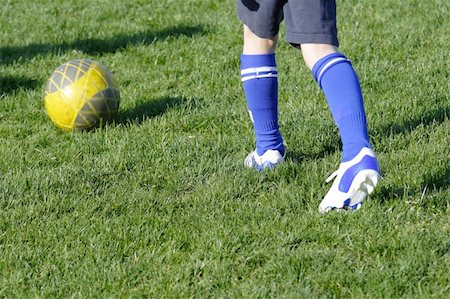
(81, 95)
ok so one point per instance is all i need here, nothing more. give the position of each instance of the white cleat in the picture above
(354, 180)
(269, 159)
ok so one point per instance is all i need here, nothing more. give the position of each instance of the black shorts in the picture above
(307, 21)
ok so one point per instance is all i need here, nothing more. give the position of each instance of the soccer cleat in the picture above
(268, 160)
(353, 181)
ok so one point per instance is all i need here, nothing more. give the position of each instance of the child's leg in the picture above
(337, 78)
(358, 173)
(260, 81)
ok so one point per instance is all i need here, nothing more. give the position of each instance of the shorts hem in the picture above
(299, 38)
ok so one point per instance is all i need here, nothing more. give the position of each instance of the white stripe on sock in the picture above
(257, 70)
(328, 65)
(269, 75)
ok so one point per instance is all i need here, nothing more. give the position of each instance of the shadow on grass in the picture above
(9, 84)
(436, 181)
(327, 150)
(438, 115)
(94, 46)
(146, 110)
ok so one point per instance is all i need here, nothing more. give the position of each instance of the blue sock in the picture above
(339, 82)
(260, 80)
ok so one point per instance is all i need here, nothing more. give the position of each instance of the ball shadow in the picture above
(9, 84)
(143, 111)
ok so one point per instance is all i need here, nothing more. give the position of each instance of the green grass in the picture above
(158, 204)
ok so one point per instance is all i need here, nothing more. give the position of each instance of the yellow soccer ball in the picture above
(81, 95)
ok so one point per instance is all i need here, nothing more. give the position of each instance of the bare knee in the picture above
(314, 52)
(254, 44)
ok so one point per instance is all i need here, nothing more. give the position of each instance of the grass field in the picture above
(158, 204)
